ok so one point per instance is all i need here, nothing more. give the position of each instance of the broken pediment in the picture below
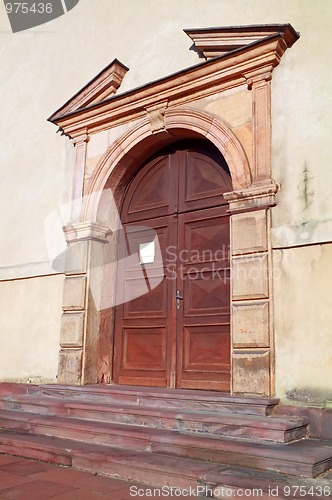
(104, 85)
(214, 42)
(242, 55)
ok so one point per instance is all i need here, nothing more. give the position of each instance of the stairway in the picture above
(166, 437)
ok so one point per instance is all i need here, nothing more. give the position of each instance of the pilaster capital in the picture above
(81, 139)
(86, 230)
(261, 75)
(255, 196)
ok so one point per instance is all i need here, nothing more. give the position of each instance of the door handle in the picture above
(178, 299)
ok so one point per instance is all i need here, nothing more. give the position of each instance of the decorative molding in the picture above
(176, 118)
(256, 196)
(87, 230)
(214, 42)
(104, 85)
(214, 76)
(156, 116)
(81, 140)
(259, 76)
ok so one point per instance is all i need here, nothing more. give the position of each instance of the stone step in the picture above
(257, 427)
(221, 483)
(307, 458)
(159, 397)
(162, 470)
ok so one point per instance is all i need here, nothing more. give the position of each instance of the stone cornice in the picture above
(213, 42)
(104, 85)
(225, 72)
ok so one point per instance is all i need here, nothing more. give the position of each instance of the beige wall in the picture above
(302, 126)
(303, 319)
(43, 67)
(30, 315)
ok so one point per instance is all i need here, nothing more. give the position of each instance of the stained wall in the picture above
(43, 67)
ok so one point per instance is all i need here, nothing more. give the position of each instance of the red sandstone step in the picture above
(159, 397)
(156, 469)
(116, 462)
(257, 427)
(42, 448)
(264, 484)
(307, 457)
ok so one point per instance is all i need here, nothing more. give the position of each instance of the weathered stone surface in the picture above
(72, 327)
(249, 232)
(250, 277)
(75, 258)
(234, 106)
(251, 372)
(74, 293)
(250, 324)
(244, 134)
(70, 366)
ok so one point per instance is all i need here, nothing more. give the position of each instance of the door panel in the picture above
(200, 352)
(143, 332)
(151, 193)
(142, 346)
(151, 305)
(161, 340)
(206, 297)
(204, 316)
(204, 181)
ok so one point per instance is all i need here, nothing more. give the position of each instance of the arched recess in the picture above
(111, 176)
(118, 164)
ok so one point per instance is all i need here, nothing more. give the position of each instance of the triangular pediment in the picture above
(102, 86)
(214, 42)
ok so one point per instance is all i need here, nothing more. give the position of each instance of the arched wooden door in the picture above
(172, 322)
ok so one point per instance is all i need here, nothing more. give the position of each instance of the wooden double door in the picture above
(172, 321)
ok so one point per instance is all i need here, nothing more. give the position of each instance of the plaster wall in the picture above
(30, 329)
(303, 318)
(45, 66)
(301, 128)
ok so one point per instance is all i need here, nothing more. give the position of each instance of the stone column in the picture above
(80, 319)
(251, 291)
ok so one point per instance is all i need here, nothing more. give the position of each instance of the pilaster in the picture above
(80, 319)
(260, 85)
(80, 144)
(251, 295)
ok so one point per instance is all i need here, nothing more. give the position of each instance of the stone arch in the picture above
(109, 180)
(115, 168)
